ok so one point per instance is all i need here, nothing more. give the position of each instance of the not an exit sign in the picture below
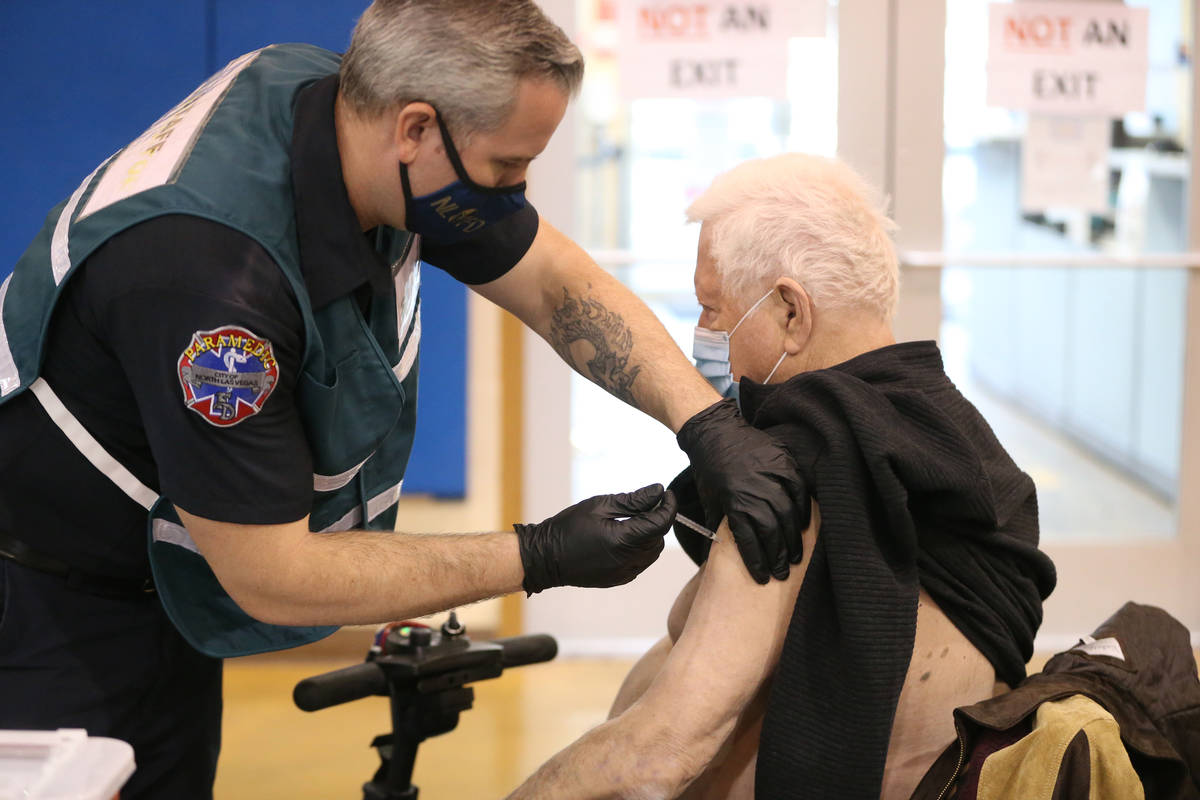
(1076, 58)
(711, 49)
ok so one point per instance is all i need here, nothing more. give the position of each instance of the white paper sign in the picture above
(711, 49)
(1085, 58)
(1064, 163)
(1101, 647)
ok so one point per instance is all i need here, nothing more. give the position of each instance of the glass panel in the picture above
(640, 165)
(1080, 370)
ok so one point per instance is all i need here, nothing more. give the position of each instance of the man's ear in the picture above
(798, 325)
(414, 122)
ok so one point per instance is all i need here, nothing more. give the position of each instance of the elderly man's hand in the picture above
(756, 484)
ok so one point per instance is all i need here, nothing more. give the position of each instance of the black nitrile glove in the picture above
(755, 483)
(586, 545)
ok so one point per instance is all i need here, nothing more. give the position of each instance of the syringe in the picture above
(696, 526)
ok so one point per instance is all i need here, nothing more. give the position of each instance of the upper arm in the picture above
(727, 651)
(238, 455)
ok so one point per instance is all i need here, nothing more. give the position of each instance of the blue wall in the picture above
(84, 77)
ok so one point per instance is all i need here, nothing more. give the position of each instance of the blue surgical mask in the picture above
(461, 209)
(711, 350)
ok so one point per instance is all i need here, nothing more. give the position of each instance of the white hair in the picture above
(464, 57)
(806, 217)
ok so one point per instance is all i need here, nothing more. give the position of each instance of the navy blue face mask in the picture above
(461, 209)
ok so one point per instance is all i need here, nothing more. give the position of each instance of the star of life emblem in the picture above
(227, 374)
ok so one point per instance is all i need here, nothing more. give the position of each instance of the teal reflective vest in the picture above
(223, 154)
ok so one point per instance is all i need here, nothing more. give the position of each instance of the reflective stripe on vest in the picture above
(408, 283)
(331, 483)
(60, 249)
(60, 265)
(169, 532)
(409, 356)
(91, 449)
(10, 379)
(375, 506)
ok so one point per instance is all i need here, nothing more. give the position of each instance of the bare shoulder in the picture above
(737, 591)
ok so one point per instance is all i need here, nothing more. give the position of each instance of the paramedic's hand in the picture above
(748, 477)
(586, 544)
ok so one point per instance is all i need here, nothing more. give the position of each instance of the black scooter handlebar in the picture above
(368, 678)
(533, 648)
(340, 686)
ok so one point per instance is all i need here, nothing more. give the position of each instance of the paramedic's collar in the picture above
(335, 255)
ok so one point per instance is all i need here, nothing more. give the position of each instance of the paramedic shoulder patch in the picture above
(227, 374)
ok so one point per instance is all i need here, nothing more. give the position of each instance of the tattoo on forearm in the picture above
(582, 318)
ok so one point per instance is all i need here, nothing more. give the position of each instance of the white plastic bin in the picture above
(66, 764)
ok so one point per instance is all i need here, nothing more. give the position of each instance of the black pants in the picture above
(116, 667)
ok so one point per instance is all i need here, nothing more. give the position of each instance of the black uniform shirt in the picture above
(114, 346)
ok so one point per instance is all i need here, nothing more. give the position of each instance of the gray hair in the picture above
(810, 218)
(465, 57)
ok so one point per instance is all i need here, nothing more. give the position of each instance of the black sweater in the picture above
(915, 491)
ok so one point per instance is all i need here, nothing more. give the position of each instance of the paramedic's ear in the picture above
(798, 315)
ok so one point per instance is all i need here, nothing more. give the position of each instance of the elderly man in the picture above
(921, 583)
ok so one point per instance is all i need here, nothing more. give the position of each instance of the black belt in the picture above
(17, 551)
